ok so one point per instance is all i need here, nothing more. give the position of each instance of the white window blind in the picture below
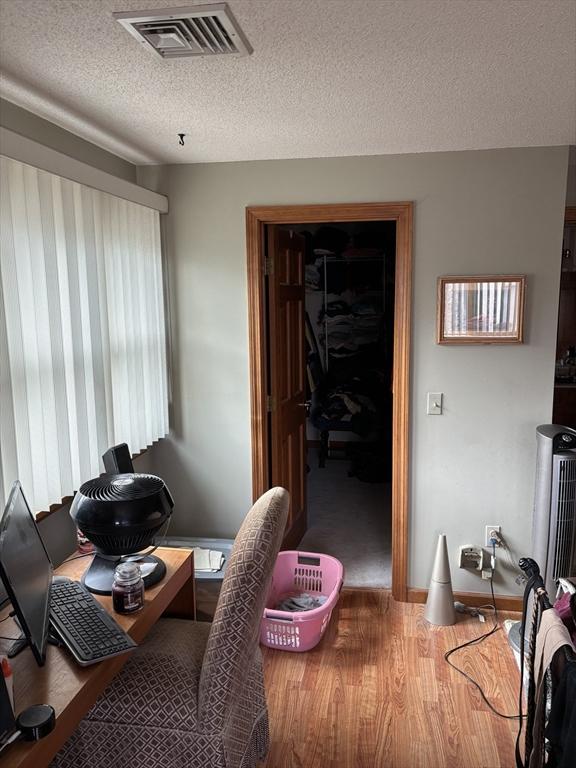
(82, 334)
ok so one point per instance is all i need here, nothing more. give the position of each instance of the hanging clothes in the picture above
(566, 608)
(550, 736)
(561, 728)
(552, 636)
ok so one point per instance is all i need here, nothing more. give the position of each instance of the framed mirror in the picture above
(481, 309)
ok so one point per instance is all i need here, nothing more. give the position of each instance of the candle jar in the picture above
(127, 588)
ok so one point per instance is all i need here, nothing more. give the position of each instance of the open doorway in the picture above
(278, 377)
(349, 340)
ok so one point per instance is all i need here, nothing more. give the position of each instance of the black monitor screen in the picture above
(26, 571)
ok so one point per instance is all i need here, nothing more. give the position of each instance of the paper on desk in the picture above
(208, 560)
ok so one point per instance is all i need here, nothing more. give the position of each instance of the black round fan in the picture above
(120, 515)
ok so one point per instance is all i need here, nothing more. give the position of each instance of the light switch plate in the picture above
(434, 404)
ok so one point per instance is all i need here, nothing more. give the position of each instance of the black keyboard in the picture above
(83, 625)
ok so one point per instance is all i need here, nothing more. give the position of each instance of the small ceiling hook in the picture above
(181, 139)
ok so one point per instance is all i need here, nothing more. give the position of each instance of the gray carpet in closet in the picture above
(351, 520)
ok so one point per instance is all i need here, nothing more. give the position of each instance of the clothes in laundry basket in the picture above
(303, 602)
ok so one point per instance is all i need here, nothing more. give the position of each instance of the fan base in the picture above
(99, 576)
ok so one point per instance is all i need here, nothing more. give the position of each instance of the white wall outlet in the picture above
(490, 530)
(434, 404)
(471, 557)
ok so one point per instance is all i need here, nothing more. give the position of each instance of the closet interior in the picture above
(349, 349)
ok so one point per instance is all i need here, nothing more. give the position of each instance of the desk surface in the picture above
(72, 689)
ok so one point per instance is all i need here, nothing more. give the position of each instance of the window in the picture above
(82, 334)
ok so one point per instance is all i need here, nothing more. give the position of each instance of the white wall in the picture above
(497, 211)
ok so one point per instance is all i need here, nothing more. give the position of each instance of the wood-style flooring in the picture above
(377, 693)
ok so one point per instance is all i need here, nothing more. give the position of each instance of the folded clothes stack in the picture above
(349, 329)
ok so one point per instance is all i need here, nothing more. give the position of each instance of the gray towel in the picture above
(303, 602)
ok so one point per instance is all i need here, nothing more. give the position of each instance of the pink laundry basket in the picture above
(295, 573)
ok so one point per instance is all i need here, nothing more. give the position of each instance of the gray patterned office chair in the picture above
(192, 696)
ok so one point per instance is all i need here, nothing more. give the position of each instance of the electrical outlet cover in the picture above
(487, 536)
(470, 557)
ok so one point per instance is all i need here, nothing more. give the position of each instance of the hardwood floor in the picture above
(377, 693)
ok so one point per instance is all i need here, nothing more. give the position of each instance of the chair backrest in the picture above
(233, 638)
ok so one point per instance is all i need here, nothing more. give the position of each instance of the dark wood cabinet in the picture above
(564, 410)
(566, 314)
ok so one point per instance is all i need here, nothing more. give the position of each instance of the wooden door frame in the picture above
(257, 217)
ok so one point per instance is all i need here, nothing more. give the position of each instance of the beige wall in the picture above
(497, 211)
(25, 123)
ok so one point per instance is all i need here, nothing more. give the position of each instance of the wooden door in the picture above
(287, 394)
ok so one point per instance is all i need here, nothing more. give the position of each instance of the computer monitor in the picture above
(26, 572)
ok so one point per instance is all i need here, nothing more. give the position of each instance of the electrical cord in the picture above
(521, 577)
(10, 615)
(480, 639)
(11, 739)
(77, 557)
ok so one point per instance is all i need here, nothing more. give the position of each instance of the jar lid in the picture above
(127, 572)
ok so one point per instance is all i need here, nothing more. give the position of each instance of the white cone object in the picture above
(440, 603)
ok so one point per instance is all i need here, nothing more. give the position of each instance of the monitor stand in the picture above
(99, 576)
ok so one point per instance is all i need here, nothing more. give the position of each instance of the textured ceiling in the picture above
(327, 78)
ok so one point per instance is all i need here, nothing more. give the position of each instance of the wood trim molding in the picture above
(476, 599)
(256, 219)
(257, 353)
(401, 402)
(570, 215)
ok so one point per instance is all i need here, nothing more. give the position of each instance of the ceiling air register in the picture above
(201, 30)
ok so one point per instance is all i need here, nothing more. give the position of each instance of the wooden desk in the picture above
(72, 689)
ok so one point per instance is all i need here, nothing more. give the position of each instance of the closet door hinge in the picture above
(270, 403)
(269, 265)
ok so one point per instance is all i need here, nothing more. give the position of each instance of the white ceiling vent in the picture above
(200, 30)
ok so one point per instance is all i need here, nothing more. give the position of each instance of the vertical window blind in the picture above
(82, 332)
